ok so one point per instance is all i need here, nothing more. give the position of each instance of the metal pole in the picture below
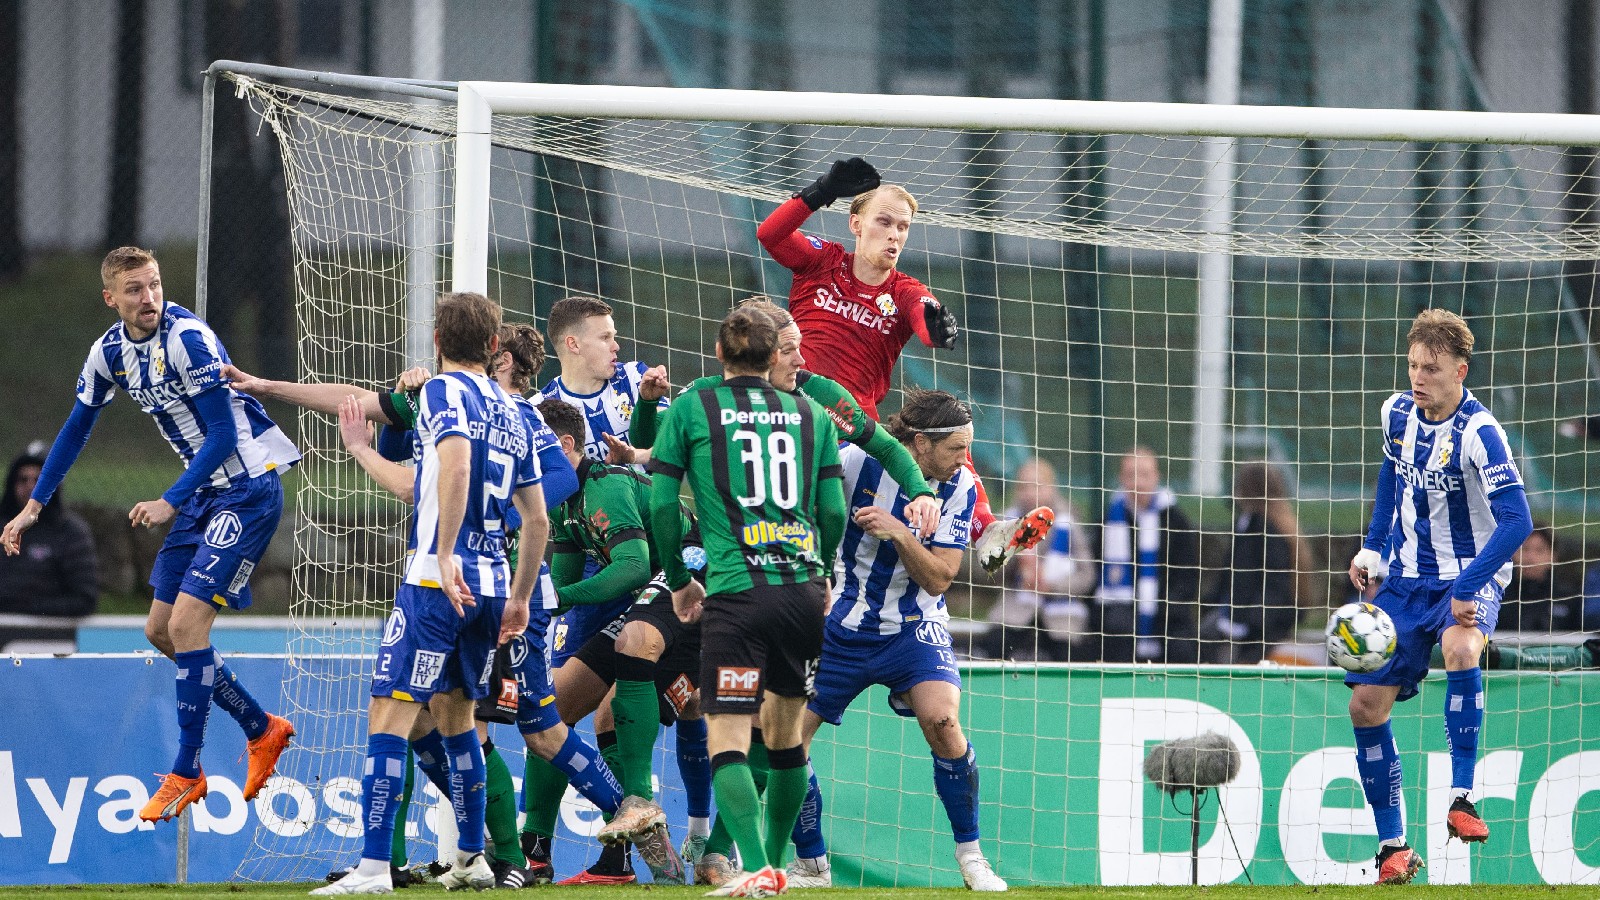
(202, 263)
(1214, 313)
(184, 819)
(422, 194)
(1194, 836)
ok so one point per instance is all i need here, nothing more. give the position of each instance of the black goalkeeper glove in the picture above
(941, 324)
(845, 178)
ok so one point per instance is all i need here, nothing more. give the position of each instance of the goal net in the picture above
(1236, 306)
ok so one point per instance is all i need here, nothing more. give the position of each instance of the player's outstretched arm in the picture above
(780, 233)
(322, 398)
(626, 573)
(356, 432)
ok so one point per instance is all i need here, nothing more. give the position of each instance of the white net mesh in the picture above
(1071, 262)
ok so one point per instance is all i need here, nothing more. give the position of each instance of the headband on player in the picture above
(946, 429)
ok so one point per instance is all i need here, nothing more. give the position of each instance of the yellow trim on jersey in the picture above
(423, 582)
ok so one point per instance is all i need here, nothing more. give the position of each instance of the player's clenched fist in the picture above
(845, 178)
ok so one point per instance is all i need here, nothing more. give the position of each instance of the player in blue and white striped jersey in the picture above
(888, 622)
(583, 338)
(1450, 511)
(224, 508)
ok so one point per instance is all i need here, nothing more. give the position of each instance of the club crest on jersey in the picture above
(1447, 448)
(624, 408)
(158, 363)
(224, 530)
(885, 304)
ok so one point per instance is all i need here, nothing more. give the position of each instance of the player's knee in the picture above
(547, 743)
(1367, 709)
(642, 640)
(1461, 657)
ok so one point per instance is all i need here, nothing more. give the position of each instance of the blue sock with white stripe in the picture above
(1378, 763)
(694, 764)
(956, 782)
(197, 674)
(431, 760)
(587, 771)
(468, 787)
(1463, 719)
(231, 696)
(807, 835)
(382, 783)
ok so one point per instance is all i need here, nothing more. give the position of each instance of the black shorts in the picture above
(500, 704)
(677, 671)
(765, 639)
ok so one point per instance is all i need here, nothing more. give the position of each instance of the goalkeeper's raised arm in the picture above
(853, 306)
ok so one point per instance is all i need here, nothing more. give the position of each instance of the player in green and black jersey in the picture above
(763, 467)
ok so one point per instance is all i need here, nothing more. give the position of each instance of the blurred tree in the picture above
(127, 127)
(11, 258)
(251, 303)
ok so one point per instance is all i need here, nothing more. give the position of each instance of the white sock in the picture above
(968, 848)
(1392, 842)
(369, 868)
(1458, 794)
(699, 826)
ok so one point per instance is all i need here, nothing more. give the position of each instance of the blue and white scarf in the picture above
(1118, 582)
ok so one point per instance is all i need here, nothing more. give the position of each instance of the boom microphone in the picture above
(1193, 763)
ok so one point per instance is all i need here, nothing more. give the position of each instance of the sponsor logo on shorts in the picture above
(241, 577)
(812, 665)
(508, 695)
(933, 634)
(517, 649)
(738, 683)
(559, 641)
(488, 670)
(425, 669)
(679, 693)
(395, 628)
(224, 529)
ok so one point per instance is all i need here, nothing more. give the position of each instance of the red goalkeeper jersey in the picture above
(852, 331)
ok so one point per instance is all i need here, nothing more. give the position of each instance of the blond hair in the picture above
(123, 259)
(1443, 332)
(859, 204)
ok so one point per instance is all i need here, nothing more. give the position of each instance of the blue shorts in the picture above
(536, 693)
(577, 625)
(427, 649)
(853, 661)
(1420, 608)
(217, 537)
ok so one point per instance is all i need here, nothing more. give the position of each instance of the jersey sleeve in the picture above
(441, 412)
(828, 464)
(842, 410)
(1389, 448)
(196, 358)
(669, 456)
(780, 235)
(400, 408)
(95, 384)
(910, 296)
(1486, 448)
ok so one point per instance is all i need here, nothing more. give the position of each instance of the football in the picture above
(1361, 637)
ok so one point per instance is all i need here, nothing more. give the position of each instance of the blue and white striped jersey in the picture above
(540, 437)
(164, 373)
(608, 410)
(1444, 474)
(472, 406)
(871, 591)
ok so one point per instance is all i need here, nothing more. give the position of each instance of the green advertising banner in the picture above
(1065, 801)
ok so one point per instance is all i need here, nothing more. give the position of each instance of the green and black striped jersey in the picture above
(754, 457)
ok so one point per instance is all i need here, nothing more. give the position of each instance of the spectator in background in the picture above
(55, 574)
(1149, 596)
(1045, 586)
(1541, 596)
(1257, 601)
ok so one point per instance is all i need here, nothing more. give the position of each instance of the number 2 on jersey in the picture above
(773, 473)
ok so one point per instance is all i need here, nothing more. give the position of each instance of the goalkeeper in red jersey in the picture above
(856, 312)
